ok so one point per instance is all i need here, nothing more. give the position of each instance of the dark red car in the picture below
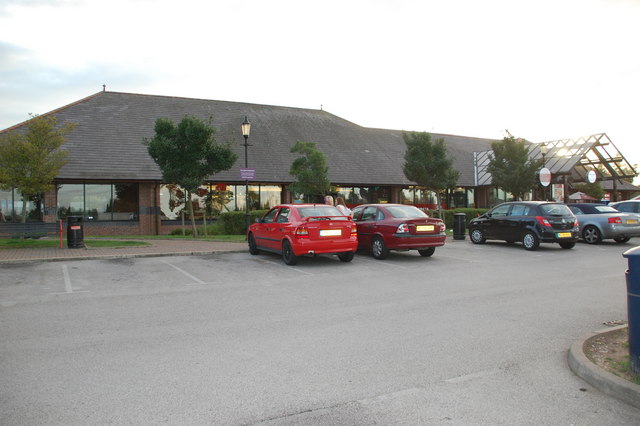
(384, 227)
(294, 230)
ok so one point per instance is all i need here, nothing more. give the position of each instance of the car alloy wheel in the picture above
(477, 236)
(287, 254)
(591, 235)
(530, 241)
(379, 249)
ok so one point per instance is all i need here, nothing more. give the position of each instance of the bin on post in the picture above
(459, 224)
(75, 237)
(633, 306)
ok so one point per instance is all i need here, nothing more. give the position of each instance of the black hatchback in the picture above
(531, 222)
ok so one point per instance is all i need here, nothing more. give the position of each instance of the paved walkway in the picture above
(169, 247)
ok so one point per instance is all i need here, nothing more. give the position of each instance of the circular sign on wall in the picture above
(591, 176)
(545, 176)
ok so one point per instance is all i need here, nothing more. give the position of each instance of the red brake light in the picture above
(615, 220)
(302, 232)
(542, 221)
(354, 230)
(403, 228)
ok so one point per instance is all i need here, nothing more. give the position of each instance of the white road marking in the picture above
(68, 288)
(472, 376)
(67, 279)
(199, 281)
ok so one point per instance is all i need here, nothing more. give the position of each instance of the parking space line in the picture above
(199, 281)
(381, 263)
(67, 279)
(289, 267)
(68, 288)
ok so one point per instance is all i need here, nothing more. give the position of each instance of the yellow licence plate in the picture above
(564, 234)
(632, 221)
(330, 232)
(424, 228)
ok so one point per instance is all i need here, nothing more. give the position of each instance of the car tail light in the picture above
(443, 227)
(403, 228)
(302, 232)
(615, 220)
(542, 221)
(354, 230)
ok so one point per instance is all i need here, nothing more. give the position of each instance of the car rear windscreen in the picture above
(555, 210)
(405, 211)
(319, 211)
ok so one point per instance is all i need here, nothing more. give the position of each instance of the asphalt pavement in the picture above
(577, 360)
(168, 247)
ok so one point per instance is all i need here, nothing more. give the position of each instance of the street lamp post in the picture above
(543, 151)
(246, 129)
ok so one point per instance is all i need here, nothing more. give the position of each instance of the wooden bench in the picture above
(30, 229)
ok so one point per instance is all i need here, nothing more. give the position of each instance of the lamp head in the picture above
(246, 127)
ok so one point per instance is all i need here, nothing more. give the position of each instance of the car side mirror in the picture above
(259, 220)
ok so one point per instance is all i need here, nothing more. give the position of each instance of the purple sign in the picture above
(247, 174)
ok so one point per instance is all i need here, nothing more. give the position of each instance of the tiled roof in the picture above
(107, 143)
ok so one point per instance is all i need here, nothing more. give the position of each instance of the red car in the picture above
(295, 230)
(384, 227)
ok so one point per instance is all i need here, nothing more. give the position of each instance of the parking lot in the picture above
(476, 334)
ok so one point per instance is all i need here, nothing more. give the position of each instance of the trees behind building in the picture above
(310, 171)
(510, 167)
(428, 164)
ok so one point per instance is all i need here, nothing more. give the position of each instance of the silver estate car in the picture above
(599, 222)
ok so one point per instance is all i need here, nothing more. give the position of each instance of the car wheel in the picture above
(427, 252)
(253, 248)
(379, 249)
(347, 256)
(621, 239)
(591, 235)
(287, 253)
(567, 245)
(477, 236)
(530, 241)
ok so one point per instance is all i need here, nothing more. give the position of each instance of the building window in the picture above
(217, 198)
(99, 201)
(11, 204)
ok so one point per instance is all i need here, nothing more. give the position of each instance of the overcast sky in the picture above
(544, 69)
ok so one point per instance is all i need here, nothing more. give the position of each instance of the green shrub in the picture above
(470, 213)
(233, 223)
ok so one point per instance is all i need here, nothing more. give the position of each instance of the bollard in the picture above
(633, 306)
(459, 224)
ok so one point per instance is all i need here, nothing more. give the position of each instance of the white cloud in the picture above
(545, 70)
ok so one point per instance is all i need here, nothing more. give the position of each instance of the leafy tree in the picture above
(310, 170)
(428, 164)
(187, 154)
(30, 161)
(510, 167)
(594, 189)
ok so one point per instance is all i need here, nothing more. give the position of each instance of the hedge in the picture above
(233, 223)
(470, 213)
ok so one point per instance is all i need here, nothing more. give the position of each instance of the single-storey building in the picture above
(112, 182)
